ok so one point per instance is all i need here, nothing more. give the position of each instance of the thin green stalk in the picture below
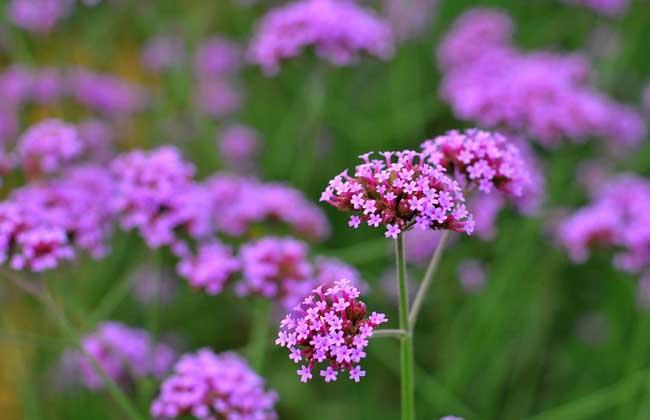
(426, 280)
(260, 334)
(386, 333)
(406, 342)
(113, 389)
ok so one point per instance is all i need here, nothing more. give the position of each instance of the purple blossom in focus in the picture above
(210, 270)
(47, 146)
(125, 354)
(329, 326)
(211, 386)
(339, 31)
(163, 53)
(400, 193)
(543, 95)
(471, 275)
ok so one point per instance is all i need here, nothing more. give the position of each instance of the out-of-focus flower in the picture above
(480, 159)
(618, 218)
(329, 326)
(327, 270)
(47, 146)
(153, 286)
(486, 207)
(106, 93)
(339, 31)
(402, 194)
(47, 85)
(217, 57)
(97, 138)
(163, 53)
(238, 145)
(38, 15)
(240, 203)
(471, 275)
(15, 85)
(421, 244)
(604, 7)
(409, 19)
(218, 97)
(211, 268)
(124, 353)
(206, 385)
(276, 268)
(543, 95)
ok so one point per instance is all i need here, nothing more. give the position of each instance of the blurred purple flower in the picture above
(471, 275)
(211, 268)
(38, 15)
(409, 19)
(421, 244)
(217, 57)
(47, 146)
(97, 137)
(105, 93)
(218, 97)
(163, 53)
(48, 85)
(338, 30)
(206, 386)
(238, 145)
(153, 286)
(15, 85)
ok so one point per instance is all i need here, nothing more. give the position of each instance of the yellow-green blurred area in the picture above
(546, 339)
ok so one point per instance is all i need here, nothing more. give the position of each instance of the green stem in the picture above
(260, 334)
(426, 280)
(113, 389)
(385, 333)
(406, 342)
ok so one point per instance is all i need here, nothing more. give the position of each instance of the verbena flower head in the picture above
(482, 160)
(329, 328)
(37, 15)
(276, 268)
(213, 266)
(241, 203)
(399, 191)
(106, 93)
(163, 53)
(47, 146)
(339, 31)
(238, 145)
(217, 57)
(124, 353)
(211, 386)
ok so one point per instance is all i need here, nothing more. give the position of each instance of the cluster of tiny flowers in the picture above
(163, 53)
(402, 194)
(41, 224)
(604, 7)
(329, 326)
(618, 218)
(545, 95)
(210, 270)
(149, 188)
(47, 146)
(210, 386)
(125, 354)
(481, 159)
(240, 203)
(339, 31)
(276, 268)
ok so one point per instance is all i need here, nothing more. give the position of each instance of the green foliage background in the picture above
(514, 351)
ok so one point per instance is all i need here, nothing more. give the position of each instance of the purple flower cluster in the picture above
(125, 354)
(400, 194)
(211, 268)
(480, 159)
(410, 20)
(210, 386)
(339, 31)
(329, 326)
(41, 224)
(276, 268)
(240, 203)
(38, 15)
(604, 7)
(47, 146)
(217, 57)
(238, 145)
(105, 93)
(544, 95)
(163, 53)
(618, 218)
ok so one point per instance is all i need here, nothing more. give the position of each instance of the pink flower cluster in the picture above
(47, 146)
(238, 145)
(210, 270)
(329, 326)
(240, 203)
(210, 386)
(480, 159)
(618, 218)
(400, 193)
(163, 53)
(38, 15)
(41, 224)
(339, 32)
(105, 93)
(544, 95)
(125, 354)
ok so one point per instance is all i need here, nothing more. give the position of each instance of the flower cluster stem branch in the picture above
(260, 334)
(427, 279)
(406, 342)
(386, 333)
